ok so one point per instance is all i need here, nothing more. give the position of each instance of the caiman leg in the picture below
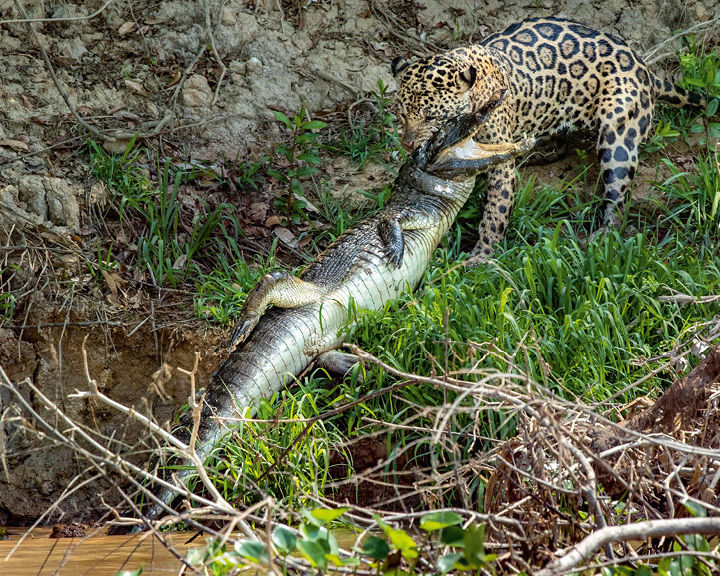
(391, 233)
(339, 363)
(279, 289)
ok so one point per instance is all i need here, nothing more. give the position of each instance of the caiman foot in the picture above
(242, 329)
(279, 289)
(340, 363)
(391, 234)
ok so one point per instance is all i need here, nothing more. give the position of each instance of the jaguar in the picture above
(558, 76)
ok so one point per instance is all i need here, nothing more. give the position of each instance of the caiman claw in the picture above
(242, 331)
(391, 234)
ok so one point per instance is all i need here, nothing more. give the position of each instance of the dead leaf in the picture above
(180, 262)
(273, 221)
(15, 145)
(174, 80)
(110, 280)
(127, 27)
(258, 210)
(136, 87)
(41, 120)
(285, 236)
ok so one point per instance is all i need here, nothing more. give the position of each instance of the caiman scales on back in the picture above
(368, 265)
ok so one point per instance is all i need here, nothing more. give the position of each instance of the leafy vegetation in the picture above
(370, 137)
(314, 540)
(300, 160)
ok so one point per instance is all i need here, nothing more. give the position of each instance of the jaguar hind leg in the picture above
(624, 125)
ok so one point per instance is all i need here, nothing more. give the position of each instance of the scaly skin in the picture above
(369, 265)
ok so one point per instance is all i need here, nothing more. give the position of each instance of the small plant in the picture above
(701, 73)
(370, 137)
(7, 306)
(664, 134)
(393, 552)
(295, 162)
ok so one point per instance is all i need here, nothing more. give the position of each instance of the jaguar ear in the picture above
(468, 77)
(398, 65)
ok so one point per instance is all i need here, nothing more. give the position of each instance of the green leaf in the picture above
(313, 552)
(196, 556)
(447, 562)
(452, 536)
(697, 510)
(643, 570)
(474, 541)
(712, 107)
(335, 559)
(130, 572)
(251, 549)
(327, 515)
(313, 530)
(376, 548)
(280, 117)
(304, 171)
(439, 520)
(284, 539)
(402, 541)
(314, 125)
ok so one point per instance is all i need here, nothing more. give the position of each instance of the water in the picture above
(94, 555)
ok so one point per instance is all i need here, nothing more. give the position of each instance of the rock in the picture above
(253, 65)
(32, 195)
(228, 18)
(62, 204)
(53, 199)
(196, 92)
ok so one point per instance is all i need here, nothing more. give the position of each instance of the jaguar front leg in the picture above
(279, 289)
(499, 201)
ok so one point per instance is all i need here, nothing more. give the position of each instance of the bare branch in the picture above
(640, 530)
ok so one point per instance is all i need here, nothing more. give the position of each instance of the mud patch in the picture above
(376, 480)
(134, 367)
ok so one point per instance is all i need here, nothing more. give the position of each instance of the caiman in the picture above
(365, 267)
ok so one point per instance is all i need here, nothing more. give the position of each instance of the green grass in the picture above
(168, 241)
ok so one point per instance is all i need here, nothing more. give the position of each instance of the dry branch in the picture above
(637, 531)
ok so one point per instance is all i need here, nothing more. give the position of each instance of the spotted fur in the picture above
(560, 76)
